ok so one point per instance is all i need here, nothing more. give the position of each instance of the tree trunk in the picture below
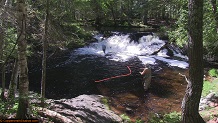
(2, 62)
(2, 2)
(13, 82)
(145, 13)
(56, 117)
(97, 10)
(113, 14)
(129, 12)
(45, 38)
(3, 82)
(23, 106)
(190, 104)
(8, 3)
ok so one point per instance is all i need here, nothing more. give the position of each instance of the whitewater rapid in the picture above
(119, 47)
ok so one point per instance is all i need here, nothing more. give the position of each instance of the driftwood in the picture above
(57, 117)
(165, 46)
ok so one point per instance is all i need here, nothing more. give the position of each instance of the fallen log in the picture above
(56, 117)
(165, 46)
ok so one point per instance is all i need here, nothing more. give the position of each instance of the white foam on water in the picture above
(121, 48)
(147, 60)
(172, 62)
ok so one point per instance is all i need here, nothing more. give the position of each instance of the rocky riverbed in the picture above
(94, 108)
(208, 108)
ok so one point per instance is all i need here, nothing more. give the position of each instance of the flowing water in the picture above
(77, 72)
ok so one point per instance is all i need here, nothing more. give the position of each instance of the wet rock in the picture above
(87, 108)
(129, 110)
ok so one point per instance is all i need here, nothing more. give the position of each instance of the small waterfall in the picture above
(120, 47)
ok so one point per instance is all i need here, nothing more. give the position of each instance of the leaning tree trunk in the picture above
(190, 104)
(23, 106)
(13, 82)
(45, 39)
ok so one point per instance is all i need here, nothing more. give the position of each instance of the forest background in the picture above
(56, 25)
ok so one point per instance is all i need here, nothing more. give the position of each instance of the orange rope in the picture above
(113, 77)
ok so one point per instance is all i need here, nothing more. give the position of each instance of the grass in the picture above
(209, 87)
(212, 86)
(173, 117)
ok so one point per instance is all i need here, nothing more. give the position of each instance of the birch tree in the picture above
(23, 106)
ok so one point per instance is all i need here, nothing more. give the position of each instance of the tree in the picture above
(190, 104)
(44, 40)
(23, 106)
(13, 82)
(2, 46)
(2, 62)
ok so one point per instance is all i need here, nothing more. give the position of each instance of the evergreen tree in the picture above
(190, 104)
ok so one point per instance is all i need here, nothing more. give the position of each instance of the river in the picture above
(77, 72)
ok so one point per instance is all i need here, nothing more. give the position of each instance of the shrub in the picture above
(213, 72)
(173, 117)
(125, 118)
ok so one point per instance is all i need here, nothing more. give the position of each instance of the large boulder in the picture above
(85, 109)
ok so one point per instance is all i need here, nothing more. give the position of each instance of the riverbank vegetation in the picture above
(31, 28)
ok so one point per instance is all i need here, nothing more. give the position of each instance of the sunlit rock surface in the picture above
(85, 108)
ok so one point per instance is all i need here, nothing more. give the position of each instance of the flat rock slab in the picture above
(85, 109)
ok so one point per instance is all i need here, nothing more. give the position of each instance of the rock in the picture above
(210, 96)
(202, 107)
(212, 104)
(203, 101)
(88, 108)
(214, 120)
(129, 110)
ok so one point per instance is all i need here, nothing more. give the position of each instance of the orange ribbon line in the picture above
(113, 77)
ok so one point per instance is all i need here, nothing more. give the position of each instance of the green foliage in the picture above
(213, 72)
(210, 34)
(105, 101)
(8, 108)
(210, 37)
(179, 35)
(125, 118)
(10, 42)
(139, 121)
(173, 117)
(208, 87)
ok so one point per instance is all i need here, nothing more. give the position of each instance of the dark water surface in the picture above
(75, 73)
(73, 77)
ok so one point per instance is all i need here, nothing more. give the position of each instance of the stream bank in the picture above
(74, 74)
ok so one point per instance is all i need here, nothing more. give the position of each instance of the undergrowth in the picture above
(173, 117)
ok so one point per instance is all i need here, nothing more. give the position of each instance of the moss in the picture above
(104, 100)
